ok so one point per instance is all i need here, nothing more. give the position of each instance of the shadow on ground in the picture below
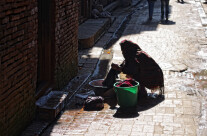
(126, 113)
(146, 104)
(142, 105)
(169, 22)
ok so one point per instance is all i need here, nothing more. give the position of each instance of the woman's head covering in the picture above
(129, 49)
(125, 44)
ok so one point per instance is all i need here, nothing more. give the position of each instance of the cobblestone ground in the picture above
(180, 49)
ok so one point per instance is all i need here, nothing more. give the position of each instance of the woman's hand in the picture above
(129, 76)
(115, 66)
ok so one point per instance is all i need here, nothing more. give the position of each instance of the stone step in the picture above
(49, 106)
(91, 30)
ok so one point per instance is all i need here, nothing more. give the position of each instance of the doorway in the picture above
(46, 46)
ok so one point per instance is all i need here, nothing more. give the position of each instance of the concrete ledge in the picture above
(49, 106)
(91, 30)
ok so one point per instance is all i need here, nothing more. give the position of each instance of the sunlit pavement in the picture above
(180, 48)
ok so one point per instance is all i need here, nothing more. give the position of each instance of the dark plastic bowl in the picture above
(98, 88)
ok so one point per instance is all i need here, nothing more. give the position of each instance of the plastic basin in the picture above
(98, 88)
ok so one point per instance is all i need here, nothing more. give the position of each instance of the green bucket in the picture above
(126, 96)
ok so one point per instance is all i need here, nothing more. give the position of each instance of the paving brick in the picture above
(137, 128)
(178, 131)
(141, 123)
(171, 95)
(188, 110)
(188, 120)
(104, 127)
(113, 132)
(147, 118)
(149, 134)
(187, 103)
(168, 128)
(126, 122)
(148, 128)
(160, 110)
(140, 134)
(158, 129)
(123, 133)
(111, 135)
(178, 102)
(126, 127)
(168, 119)
(178, 119)
(115, 127)
(158, 118)
(190, 130)
(178, 110)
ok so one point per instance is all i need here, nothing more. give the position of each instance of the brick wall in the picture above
(18, 57)
(18, 64)
(66, 38)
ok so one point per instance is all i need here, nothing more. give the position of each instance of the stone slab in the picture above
(49, 106)
(91, 30)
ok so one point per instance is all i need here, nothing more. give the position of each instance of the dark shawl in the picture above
(141, 66)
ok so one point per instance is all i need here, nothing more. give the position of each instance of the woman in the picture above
(141, 67)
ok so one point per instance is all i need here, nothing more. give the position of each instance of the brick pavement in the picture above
(177, 46)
